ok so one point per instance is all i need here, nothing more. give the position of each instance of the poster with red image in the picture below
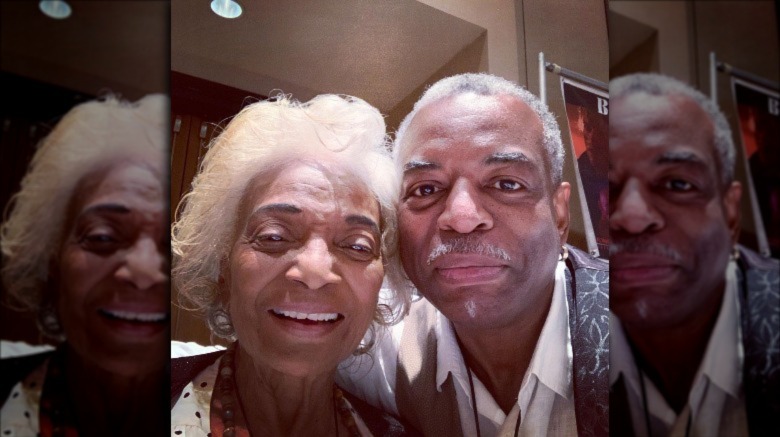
(759, 128)
(587, 111)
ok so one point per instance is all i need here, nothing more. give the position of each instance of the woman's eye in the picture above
(270, 237)
(99, 242)
(425, 190)
(99, 238)
(507, 185)
(678, 185)
(270, 243)
(360, 248)
(268, 240)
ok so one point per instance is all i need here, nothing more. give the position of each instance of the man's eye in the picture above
(507, 185)
(425, 190)
(360, 248)
(678, 185)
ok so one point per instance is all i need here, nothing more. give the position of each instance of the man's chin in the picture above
(647, 313)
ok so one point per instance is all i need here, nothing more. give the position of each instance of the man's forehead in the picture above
(654, 121)
(459, 109)
(645, 109)
(485, 120)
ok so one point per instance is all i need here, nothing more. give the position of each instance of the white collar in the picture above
(722, 361)
(551, 362)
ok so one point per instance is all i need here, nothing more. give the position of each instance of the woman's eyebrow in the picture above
(285, 208)
(357, 219)
(113, 208)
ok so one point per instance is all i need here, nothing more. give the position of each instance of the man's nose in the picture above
(313, 266)
(144, 266)
(633, 211)
(464, 211)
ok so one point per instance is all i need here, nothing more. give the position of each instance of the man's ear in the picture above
(731, 203)
(561, 209)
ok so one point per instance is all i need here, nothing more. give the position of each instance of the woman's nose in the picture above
(314, 266)
(144, 266)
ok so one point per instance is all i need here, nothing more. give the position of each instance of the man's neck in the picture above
(500, 356)
(671, 356)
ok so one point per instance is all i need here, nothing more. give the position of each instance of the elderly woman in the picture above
(284, 241)
(85, 246)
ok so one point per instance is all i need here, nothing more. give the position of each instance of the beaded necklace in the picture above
(231, 404)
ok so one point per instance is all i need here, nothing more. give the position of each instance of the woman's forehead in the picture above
(318, 185)
(131, 181)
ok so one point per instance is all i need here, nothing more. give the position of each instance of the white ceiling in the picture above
(120, 46)
(380, 51)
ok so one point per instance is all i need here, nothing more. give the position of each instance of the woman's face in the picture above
(112, 269)
(305, 269)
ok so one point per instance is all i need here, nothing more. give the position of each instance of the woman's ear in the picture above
(48, 306)
(223, 281)
(51, 288)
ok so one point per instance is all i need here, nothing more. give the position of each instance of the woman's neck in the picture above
(105, 403)
(274, 403)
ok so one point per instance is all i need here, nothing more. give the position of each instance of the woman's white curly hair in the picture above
(259, 141)
(87, 136)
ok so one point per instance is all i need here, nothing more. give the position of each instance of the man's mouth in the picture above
(134, 316)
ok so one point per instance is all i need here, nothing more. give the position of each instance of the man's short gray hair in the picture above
(660, 85)
(488, 85)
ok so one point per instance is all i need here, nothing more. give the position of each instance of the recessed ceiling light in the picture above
(226, 8)
(57, 9)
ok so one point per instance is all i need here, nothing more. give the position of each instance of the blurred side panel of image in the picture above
(84, 156)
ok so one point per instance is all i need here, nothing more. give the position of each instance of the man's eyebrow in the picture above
(418, 165)
(506, 158)
(679, 158)
(113, 208)
(284, 208)
(357, 219)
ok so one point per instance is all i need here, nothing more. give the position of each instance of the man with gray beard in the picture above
(695, 321)
(511, 335)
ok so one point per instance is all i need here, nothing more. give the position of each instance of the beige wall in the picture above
(498, 17)
(672, 22)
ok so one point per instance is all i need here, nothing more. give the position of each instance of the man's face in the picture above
(672, 222)
(481, 225)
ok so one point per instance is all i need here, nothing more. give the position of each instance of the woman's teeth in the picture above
(132, 316)
(317, 317)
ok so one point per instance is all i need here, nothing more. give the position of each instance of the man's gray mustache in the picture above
(468, 245)
(642, 246)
